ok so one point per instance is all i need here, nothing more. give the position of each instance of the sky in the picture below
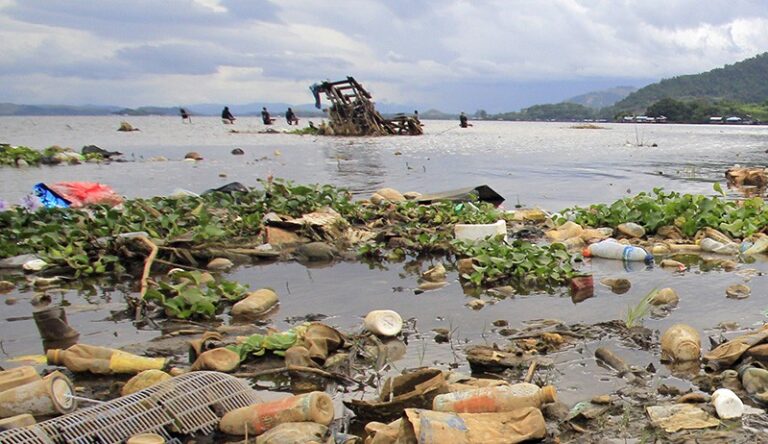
(451, 55)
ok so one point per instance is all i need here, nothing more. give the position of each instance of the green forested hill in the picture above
(745, 81)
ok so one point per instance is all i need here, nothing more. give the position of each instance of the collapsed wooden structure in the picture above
(352, 112)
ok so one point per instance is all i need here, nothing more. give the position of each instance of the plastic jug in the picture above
(258, 418)
(102, 360)
(610, 249)
(495, 399)
(727, 404)
(680, 343)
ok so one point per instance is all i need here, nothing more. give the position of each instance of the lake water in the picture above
(547, 165)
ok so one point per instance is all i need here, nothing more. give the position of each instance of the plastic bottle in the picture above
(759, 246)
(102, 360)
(146, 438)
(255, 303)
(48, 396)
(258, 418)
(610, 249)
(219, 359)
(714, 246)
(495, 399)
(680, 343)
(727, 404)
(18, 376)
(755, 382)
(383, 322)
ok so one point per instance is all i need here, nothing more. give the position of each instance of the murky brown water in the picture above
(534, 164)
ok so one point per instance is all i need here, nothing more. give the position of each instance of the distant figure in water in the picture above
(265, 117)
(291, 118)
(463, 120)
(227, 117)
(185, 116)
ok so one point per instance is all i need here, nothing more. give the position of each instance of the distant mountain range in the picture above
(202, 109)
(603, 98)
(743, 82)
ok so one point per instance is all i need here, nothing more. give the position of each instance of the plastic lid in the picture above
(586, 253)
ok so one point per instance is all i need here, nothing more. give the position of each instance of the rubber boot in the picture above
(53, 327)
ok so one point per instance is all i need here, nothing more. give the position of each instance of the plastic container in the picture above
(255, 303)
(51, 395)
(610, 249)
(53, 327)
(475, 232)
(631, 229)
(219, 359)
(759, 246)
(146, 438)
(145, 379)
(727, 404)
(495, 399)
(385, 323)
(714, 246)
(18, 376)
(755, 382)
(680, 343)
(565, 231)
(102, 360)
(15, 422)
(258, 418)
(430, 427)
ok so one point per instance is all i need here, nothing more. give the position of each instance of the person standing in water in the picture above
(463, 120)
(227, 117)
(265, 117)
(291, 118)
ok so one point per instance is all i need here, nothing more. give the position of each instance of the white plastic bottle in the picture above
(610, 249)
(727, 404)
(714, 246)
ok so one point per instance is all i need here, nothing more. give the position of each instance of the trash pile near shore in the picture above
(176, 248)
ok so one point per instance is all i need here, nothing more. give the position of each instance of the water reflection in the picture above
(359, 166)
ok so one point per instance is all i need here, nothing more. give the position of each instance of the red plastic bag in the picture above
(80, 194)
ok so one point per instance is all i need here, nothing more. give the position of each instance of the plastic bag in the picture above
(76, 194)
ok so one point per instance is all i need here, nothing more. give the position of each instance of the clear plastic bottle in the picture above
(610, 249)
(495, 399)
(714, 246)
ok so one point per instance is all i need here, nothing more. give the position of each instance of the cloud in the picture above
(441, 52)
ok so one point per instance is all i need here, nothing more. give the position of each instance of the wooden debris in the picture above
(352, 113)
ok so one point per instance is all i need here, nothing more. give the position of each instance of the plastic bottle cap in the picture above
(585, 252)
(53, 356)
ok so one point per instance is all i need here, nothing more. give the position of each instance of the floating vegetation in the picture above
(20, 156)
(688, 212)
(192, 294)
